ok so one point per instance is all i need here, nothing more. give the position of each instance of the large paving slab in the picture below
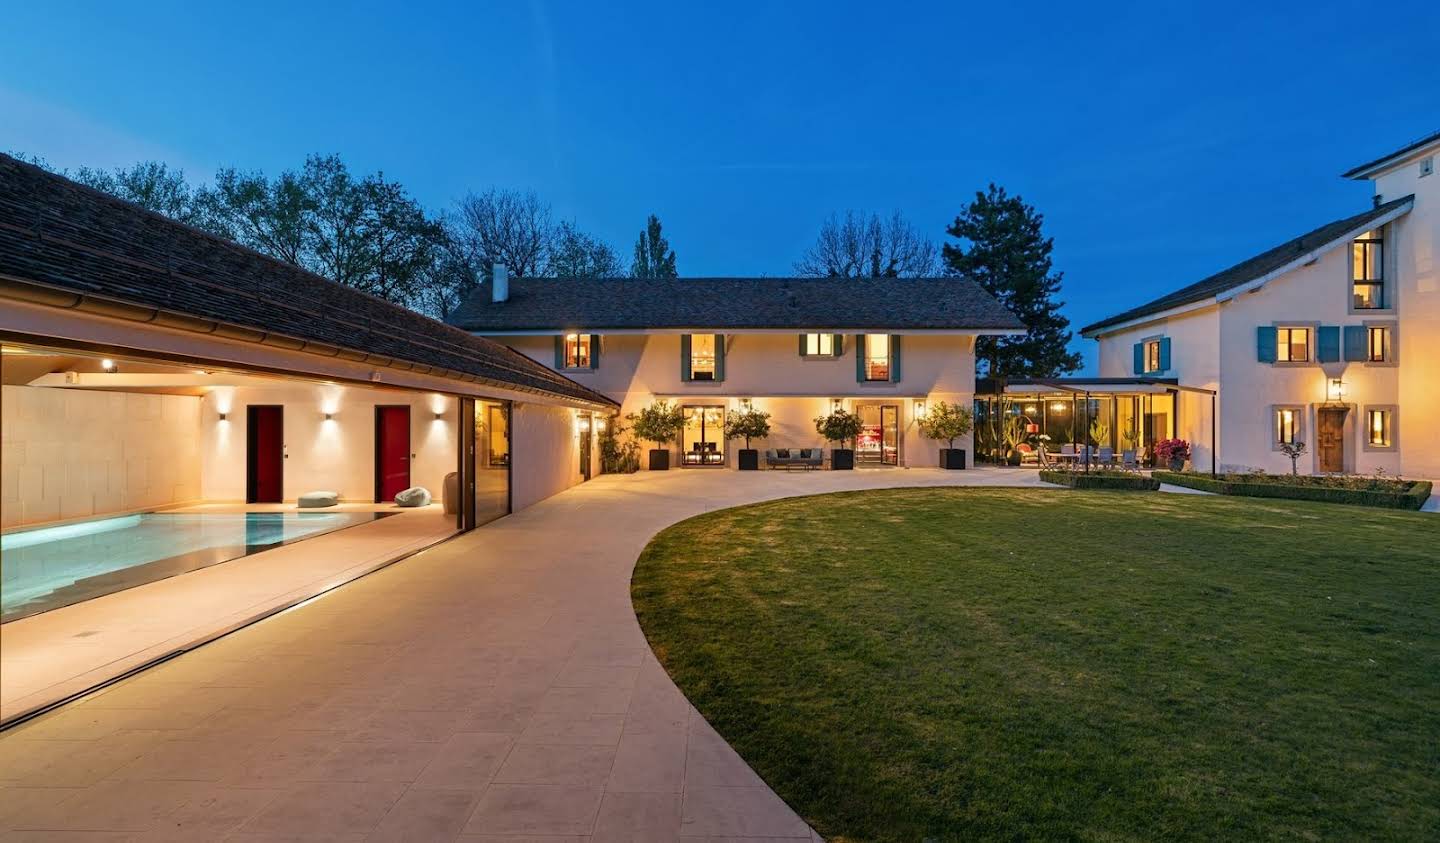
(494, 687)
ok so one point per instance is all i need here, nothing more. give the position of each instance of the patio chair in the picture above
(1083, 454)
(1129, 460)
(1027, 453)
(1107, 456)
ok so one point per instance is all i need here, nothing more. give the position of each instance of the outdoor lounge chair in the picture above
(1106, 457)
(1129, 460)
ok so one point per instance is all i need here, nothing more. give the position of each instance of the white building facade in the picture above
(1326, 340)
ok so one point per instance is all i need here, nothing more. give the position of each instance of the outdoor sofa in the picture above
(808, 458)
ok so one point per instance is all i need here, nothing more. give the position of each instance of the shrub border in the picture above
(1414, 498)
(1082, 480)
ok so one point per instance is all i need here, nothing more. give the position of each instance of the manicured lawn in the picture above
(986, 663)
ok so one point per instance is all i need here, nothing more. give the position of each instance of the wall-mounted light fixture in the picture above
(329, 417)
(108, 365)
(1336, 391)
(600, 425)
(746, 404)
(439, 415)
(224, 417)
(835, 403)
(919, 407)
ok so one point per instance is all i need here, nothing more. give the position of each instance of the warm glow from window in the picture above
(1292, 345)
(1378, 425)
(1287, 425)
(702, 357)
(1152, 356)
(877, 357)
(1379, 345)
(1367, 271)
(819, 345)
(577, 351)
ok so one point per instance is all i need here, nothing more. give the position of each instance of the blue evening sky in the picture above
(1162, 141)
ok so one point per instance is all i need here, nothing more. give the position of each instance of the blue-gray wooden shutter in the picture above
(837, 345)
(559, 351)
(1139, 358)
(719, 357)
(802, 345)
(684, 357)
(594, 351)
(1164, 354)
(1356, 342)
(1265, 343)
(1327, 343)
(894, 358)
(860, 358)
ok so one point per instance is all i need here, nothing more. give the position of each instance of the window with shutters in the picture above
(1292, 345)
(819, 345)
(1152, 356)
(577, 351)
(702, 357)
(1378, 345)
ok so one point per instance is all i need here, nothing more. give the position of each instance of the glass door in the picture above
(879, 439)
(703, 440)
(890, 434)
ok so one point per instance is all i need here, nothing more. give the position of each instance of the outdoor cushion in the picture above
(413, 496)
(804, 453)
(782, 453)
(316, 500)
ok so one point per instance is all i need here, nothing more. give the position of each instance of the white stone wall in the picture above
(545, 451)
(74, 453)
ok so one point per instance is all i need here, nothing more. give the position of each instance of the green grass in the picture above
(1017, 664)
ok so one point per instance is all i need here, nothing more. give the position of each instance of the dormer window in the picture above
(1367, 271)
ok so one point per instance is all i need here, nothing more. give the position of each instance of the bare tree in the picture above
(575, 254)
(505, 226)
(856, 246)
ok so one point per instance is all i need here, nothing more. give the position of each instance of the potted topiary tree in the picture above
(840, 426)
(660, 423)
(748, 424)
(949, 422)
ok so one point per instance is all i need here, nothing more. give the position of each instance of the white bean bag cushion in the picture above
(316, 500)
(413, 496)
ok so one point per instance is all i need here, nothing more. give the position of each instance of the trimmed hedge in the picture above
(1402, 494)
(1101, 480)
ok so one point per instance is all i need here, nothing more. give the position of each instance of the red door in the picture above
(265, 454)
(392, 452)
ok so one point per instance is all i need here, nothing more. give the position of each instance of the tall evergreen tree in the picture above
(1003, 249)
(653, 256)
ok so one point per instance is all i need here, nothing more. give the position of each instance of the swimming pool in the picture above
(50, 567)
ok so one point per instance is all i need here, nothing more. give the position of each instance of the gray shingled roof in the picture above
(61, 235)
(1249, 270)
(601, 304)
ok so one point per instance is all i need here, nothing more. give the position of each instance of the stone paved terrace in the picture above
(494, 687)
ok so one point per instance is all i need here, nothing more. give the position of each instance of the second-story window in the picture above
(702, 357)
(1378, 345)
(1152, 356)
(1367, 271)
(877, 357)
(1292, 345)
(577, 351)
(819, 345)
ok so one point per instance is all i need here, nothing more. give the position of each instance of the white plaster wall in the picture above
(336, 455)
(1318, 294)
(74, 453)
(545, 450)
(1417, 272)
(637, 369)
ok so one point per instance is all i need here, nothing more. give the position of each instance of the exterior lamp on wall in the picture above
(746, 404)
(835, 403)
(1336, 391)
(439, 415)
(108, 365)
(329, 417)
(224, 417)
(919, 407)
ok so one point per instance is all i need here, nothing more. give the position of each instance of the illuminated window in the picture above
(702, 357)
(1377, 427)
(877, 357)
(1287, 425)
(1152, 356)
(1379, 344)
(1292, 345)
(577, 351)
(1367, 271)
(819, 345)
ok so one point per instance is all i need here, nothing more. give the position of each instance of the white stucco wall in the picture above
(1417, 276)
(767, 368)
(336, 455)
(74, 453)
(545, 451)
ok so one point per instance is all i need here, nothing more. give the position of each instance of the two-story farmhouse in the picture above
(1326, 339)
(794, 347)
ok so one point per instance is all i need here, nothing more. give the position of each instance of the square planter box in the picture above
(659, 460)
(842, 459)
(952, 458)
(749, 459)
